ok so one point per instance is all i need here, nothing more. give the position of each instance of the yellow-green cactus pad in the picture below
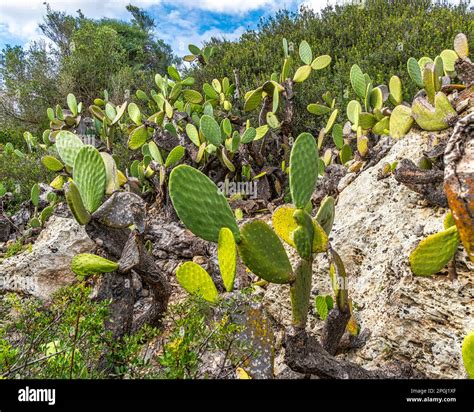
(68, 146)
(302, 73)
(138, 137)
(89, 264)
(90, 176)
(449, 58)
(75, 203)
(200, 205)
(468, 353)
(436, 118)
(303, 169)
(51, 163)
(176, 154)
(111, 173)
(321, 62)
(263, 253)
(284, 223)
(434, 252)
(401, 121)
(227, 257)
(195, 280)
(326, 213)
(395, 87)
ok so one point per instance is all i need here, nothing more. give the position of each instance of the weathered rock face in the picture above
(47, 267)
(420, 320)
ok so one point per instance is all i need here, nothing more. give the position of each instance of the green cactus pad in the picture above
(303, 234)
(112, 183)
(449, 58)
(353, 110)
(326, 213)
(468, 353)
(253, 99)
(51, 163)
(88, 264)
(303, 169)
(75, 203)
(199, 204)
(137, 137)
(210, 130)
(434, 252)
(195, 280)
(318, 109)
(227, 257)
(176, 154)
(401, 121)
(249, 135)
(414, 71)
(331, 120)
(436, 118)
(429, 81)
(193, 134)
(345, 154)
(358, 81)
(300, 292)
(320, 238)
(449, 220)
(192, 96)
(68, 145)
(90, 176)
(263, 253)
(134, 113)
(306, 55)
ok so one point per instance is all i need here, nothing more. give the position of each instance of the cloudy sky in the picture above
(179, 22)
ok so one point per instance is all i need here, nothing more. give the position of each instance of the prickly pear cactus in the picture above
(300, 292)
(326, 213)
(195, 280)
(90, 176)
(200, 205)
(401, 121)
(227, 257)
(434, 118)
(86, 264)
(434, 252)
(263, 253)
(303, 169)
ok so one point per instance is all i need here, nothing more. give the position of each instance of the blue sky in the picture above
(179, 22)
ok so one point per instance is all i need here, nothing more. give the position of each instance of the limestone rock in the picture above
(47, 267)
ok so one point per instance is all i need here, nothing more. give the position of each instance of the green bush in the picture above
(379, 37)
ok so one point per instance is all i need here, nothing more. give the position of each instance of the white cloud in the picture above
(317, 5)
(20, 18)
(230, 6)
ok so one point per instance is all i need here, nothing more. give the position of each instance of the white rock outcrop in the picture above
(46, 268)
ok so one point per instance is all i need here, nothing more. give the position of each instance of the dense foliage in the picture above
(380, 37)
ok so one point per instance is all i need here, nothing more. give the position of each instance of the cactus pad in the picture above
(284, 223)
(51, 163)
(210, 130)
(89, 264)
(75, 203)
(303, 169)
(302, 73)
(358, 81)
(227, 257)
(89, 174)
(68, 145)
(300, 292)
(461, 46)
(468, 353)
(195, 280)
(326, 213)
(400, 121)
(434, 252)
(414, 71)
(430, 118)
(263, 253)
(111, 173)
(199, 204)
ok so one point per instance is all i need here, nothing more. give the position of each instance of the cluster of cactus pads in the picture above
(204, 210)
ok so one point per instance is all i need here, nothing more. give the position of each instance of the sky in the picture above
(179, 22)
